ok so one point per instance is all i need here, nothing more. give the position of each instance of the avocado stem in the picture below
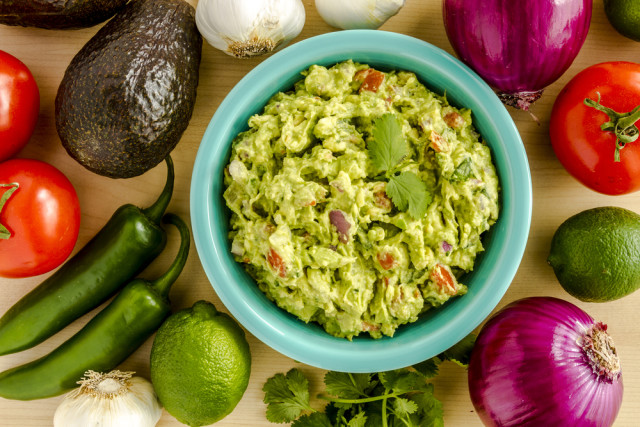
(621, 124)
(156, 210)
(163, 283)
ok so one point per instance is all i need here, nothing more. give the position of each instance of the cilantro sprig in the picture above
(387, 150)
(392, 398)
(286, 396)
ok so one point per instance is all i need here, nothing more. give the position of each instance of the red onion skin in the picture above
(518, 47)
(527, 369)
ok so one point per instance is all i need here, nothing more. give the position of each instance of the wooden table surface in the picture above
(556, 196)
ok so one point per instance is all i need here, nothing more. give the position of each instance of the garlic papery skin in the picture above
(114, 399)
(358, 14)
(246, 28)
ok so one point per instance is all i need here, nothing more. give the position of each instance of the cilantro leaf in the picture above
(403, 407)
(463, 172)
(460, 352)
(345, 415)
(346, 385)
(336, 411)
(360, 420)
(388, 147)
(429, 367)
(408, 192)
(374, 418)
(286, 396)
(402, 381)
(315, 419)
(430, 409)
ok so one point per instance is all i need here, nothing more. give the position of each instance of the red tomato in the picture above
(42, 215)
(585, 150)
(19, 105)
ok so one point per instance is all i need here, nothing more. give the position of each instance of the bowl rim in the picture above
(272, 325)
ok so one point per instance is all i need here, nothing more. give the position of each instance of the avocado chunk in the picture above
(56, 14)
(128, 94)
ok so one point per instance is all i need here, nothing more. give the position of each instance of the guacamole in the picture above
(314, 222)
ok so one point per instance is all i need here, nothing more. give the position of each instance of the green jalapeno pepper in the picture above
(107, 340)
(128, 242)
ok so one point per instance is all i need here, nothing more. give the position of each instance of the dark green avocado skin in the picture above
(58, 14)
(128, 94)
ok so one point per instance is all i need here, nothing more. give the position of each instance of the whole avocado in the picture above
(128, 94)
(56, 14)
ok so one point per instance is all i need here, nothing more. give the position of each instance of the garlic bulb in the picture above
(357, 14)
(114, 399)
(245, 28)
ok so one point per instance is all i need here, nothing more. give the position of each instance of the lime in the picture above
(624, 15)
(200, 364)
(595, 254)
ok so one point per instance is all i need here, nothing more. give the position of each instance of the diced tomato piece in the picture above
(371, 79)
(438, 143)
(454, 120)
(444, 279)
(386, 260)
(276, 262)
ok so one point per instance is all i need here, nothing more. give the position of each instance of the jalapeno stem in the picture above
(163, 283)
(155, 211)
(621, 124)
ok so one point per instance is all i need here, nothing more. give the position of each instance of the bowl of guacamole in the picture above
(361, 201)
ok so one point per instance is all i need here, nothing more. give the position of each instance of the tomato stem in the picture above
(621, 124)
(4, 232)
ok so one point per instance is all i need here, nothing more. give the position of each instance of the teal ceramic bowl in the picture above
(437, 329)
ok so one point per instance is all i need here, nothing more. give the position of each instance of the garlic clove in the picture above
(246, 28)
(358, 14)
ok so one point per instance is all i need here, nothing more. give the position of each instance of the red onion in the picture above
(518, 47)
(342, 224)
(542, 361)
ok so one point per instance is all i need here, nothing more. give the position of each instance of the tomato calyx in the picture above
(12, 187)
(621, 124)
